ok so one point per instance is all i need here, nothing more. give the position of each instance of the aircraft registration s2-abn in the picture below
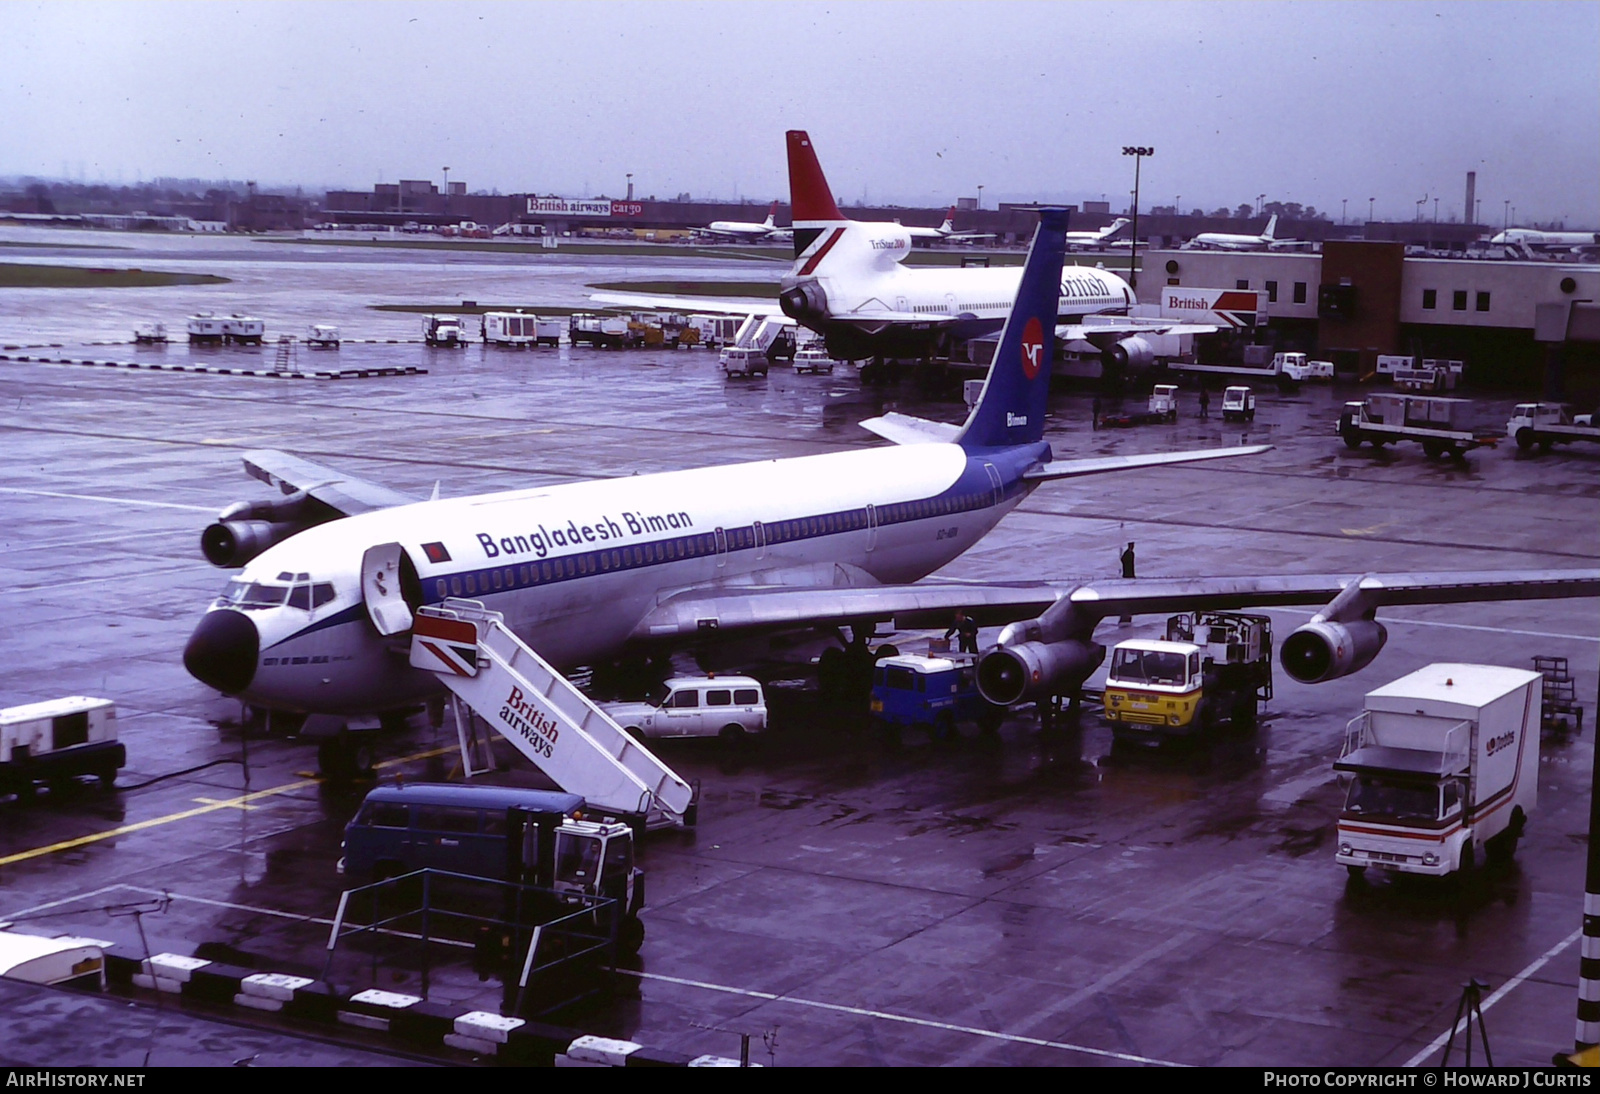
(586, 573)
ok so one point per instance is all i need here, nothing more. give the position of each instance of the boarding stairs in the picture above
(544, 715)
(1559, 707)
(286, 358)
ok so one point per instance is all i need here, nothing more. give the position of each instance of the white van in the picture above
(728, 707)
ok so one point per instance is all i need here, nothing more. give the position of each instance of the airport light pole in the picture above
(1369, 209)
(1138, 152)
(1506, 219)
(447, 191)
(980, 195)
(1260, 201)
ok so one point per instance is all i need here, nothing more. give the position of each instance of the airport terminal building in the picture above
(1530, 325)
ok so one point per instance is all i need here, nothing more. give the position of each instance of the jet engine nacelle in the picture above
(1326, 651)
(1033, 670)
(247, 528)
(1131, 355)
(804, 301)
(232, 543)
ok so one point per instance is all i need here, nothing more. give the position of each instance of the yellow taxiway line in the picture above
(242, 801)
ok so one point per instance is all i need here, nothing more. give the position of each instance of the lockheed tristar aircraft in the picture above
(765, 232)
(849, 284)
(588, 573)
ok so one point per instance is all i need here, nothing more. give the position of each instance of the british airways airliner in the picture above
(586, 573)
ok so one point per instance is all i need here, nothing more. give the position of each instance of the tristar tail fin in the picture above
(1272, 226)
(772, 217)
(811, 204)
(1012, 407)
(949, 224)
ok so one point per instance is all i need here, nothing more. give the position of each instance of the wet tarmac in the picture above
(1040, 899)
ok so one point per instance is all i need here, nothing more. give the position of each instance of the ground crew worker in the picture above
(1127, 571)
(967, 628)
(1205, 403)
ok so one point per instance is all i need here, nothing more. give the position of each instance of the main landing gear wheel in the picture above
(346, 757)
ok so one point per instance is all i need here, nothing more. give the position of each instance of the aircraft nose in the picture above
(222, 651)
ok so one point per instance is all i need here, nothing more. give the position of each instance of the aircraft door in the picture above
(995, 483)
(385, 571)
(872, 527)
(722, 547)
(760, 533)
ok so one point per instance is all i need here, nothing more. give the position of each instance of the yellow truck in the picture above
(1211, 667)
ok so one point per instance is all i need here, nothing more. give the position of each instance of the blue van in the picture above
(446, 826)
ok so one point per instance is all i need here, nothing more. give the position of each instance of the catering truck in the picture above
(1442, 762)
(1435, 422)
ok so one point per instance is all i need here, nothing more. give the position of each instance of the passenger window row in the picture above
(698, 546)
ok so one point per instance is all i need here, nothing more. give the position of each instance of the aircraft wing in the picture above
(707, 304)
(335, 489)
(932, 604)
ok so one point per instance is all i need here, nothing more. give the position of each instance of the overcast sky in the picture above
(907, 103)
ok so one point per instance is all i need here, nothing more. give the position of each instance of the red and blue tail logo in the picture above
(1015, 397)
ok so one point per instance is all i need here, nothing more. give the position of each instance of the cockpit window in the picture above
(254, 594)
(321, 593)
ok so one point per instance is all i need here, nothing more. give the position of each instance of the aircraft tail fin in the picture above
(772, 217)
(1012, 408)
(1272, 227)
(811, 205)
(949, 224)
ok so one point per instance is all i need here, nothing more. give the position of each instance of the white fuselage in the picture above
(1224, 241)
(575, 568)
(1533, 237)
(863, 276)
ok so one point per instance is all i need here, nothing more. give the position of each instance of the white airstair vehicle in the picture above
(543, 715)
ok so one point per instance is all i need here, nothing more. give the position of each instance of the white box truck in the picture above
(1442, 762)
(56, 740)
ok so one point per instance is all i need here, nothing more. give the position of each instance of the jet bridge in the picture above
(544, 715)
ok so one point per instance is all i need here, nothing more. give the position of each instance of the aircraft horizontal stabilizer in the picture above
(1099, 465)
(906, 429)
(708, 304)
